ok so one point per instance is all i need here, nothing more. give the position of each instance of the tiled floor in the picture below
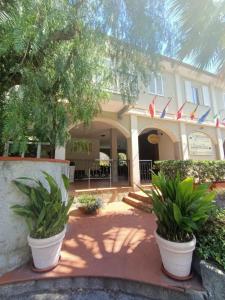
(117, 243)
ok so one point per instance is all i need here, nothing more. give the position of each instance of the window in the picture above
(156, 85)
(195, 95)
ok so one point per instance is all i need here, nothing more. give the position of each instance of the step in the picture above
(137, 204)
(141, 196)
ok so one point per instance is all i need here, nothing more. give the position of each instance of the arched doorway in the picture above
(94, 151)
(154, 144)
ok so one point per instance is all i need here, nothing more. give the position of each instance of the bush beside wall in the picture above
(201, 170)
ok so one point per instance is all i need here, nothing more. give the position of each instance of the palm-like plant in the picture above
(45, 213)
(201, 27)
(180, 207)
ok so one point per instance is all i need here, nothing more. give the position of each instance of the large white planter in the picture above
(46, 252)
(176, 257)
(14, 249)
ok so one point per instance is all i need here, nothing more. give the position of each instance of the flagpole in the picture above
(178, 114)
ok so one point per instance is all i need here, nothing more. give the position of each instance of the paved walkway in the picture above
(117, 243)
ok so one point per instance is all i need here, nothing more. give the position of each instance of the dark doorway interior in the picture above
(148, 151)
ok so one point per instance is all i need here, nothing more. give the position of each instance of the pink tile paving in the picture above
(117, 243)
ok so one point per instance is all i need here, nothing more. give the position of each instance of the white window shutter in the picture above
(159, 84)
(152, 84)
(188, 91)
(206, 96)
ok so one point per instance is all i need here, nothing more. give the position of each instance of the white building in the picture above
(140, 139)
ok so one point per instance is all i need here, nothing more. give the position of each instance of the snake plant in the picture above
(45, 212)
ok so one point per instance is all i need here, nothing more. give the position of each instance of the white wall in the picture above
(211, 133)
(14, 249)
(166, 148)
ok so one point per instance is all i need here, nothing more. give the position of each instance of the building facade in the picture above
(122, 142)
(131, 133)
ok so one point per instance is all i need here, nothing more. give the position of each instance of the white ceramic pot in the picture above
(46, 252)
(176, 257)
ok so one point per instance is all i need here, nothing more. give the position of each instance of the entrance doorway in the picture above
(154, 145)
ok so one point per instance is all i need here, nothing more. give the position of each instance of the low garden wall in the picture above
(201, 170)
(14, 250)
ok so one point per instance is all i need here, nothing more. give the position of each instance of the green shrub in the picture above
(201, 170)
(181, 207)
(45, 213)
(211, 239)
(89, 203)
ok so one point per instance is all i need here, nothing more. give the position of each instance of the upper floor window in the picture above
(197, 94)
(156, 84)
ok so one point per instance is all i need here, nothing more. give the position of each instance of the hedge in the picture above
(201, 170)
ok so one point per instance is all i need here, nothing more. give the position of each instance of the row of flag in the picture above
(179, 113)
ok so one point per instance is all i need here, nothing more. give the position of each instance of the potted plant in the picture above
(181, 209)
(89, 204)
(46, 215)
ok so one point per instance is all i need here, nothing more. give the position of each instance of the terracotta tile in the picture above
(117, 243)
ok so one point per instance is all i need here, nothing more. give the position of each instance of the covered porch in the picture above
(98, 156)
(107, 154)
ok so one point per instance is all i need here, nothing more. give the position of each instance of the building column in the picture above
(218, 130)
(60, 153)
(220, 144)
(183, 134)
(134, 152)
(6, 149)
(184, 142)
(39, 150)
(177, 151)
(114, 154)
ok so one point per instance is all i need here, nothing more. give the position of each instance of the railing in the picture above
(100, 173)
(145, 170)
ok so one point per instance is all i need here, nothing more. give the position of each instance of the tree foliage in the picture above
(201, 27)
(52, 56)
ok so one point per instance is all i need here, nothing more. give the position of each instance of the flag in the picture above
(180, 111)
(192, 115)
(164, 110)
(217, 118)
(152, 107)
(203, 117)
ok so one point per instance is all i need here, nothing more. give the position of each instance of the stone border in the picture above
(52, 160)
(71, 287)
(213, 280)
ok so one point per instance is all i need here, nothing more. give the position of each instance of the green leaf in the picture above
(177, 214)
(66, 182)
